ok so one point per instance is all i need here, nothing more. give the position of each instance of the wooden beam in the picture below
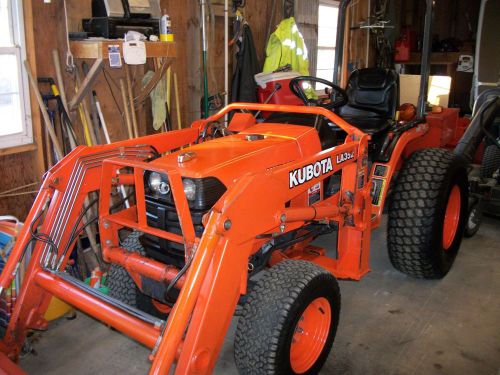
(18, 149)
(92, 49)
(87, 83)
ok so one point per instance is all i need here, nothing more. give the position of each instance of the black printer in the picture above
(113, 18)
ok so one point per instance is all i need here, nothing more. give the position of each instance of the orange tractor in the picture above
(211, 207)
(219, 220)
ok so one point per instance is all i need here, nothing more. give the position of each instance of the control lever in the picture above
(276, 88)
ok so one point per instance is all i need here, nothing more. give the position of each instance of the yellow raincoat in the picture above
(286, 46)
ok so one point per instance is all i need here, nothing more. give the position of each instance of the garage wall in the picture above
(306, 16)
(45, 32)
(18, 169)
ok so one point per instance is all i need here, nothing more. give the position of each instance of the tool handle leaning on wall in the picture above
(43, 109)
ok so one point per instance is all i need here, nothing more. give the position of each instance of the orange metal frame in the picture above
(193, 334)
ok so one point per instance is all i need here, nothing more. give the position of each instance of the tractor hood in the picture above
(258, 148)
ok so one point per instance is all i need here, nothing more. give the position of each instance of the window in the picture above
(328, 13)
(15, 124)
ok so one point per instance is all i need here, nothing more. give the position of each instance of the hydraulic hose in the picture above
(480, 126)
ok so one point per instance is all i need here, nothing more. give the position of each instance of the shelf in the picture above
(437, 58)
(98, 48)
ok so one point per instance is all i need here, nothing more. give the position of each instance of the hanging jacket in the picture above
(243, 87)
(286, 46)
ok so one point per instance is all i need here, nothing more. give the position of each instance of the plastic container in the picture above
(266, 84)
(166, 34)
(57, 309)
(102, 285)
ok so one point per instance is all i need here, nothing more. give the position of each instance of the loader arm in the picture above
(216, 262)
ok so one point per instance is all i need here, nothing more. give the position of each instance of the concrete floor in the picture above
(390, 324)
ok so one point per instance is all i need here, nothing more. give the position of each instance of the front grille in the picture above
(161, 214)
(164, 216)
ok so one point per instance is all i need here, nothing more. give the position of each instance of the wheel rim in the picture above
(451, 217)
(161, 307)
(473, 219)
(311, 333)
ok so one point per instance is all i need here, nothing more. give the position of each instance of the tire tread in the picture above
(413, 210)
(265, 313)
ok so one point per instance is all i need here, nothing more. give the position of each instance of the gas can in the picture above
(402, 50)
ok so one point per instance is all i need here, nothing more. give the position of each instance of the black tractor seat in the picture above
(373, 95)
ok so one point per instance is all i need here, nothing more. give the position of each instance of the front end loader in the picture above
(201, 224)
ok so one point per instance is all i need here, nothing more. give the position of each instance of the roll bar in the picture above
(426, 51)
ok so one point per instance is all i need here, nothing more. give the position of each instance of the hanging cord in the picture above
(174, 281)
(70, 64)
(15, 191)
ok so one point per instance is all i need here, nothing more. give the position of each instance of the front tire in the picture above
(428, 213)
(289, 321)
(122, 287)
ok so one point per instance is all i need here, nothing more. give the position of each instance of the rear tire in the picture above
(491, 161)
(289, 321)
(428, 213)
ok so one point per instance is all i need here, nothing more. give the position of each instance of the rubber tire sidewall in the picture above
(456, 175)
(420, 202)
(319, 289)
(127, 290)
(270, 314)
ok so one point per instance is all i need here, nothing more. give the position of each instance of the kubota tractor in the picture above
(219, 220)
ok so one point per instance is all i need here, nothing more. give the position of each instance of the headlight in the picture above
(158, 183)
(201, 193)
(189, 189)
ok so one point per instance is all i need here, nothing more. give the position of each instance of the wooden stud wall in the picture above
(19, 169)
(361, 54)
(45, 31)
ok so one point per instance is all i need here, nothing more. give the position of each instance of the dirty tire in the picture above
(271, 314)
(122, 287)
(491, 161)
(415, 231)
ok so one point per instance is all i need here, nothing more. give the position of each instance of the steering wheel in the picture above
(337, 97)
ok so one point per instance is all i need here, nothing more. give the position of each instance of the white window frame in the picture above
(18, 49)
(332, 3)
